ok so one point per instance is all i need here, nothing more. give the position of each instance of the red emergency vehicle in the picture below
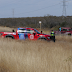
(25, 33)
(65, 31)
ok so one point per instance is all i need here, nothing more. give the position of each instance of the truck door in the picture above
(22, 33)
(64, 31)
(36, 33)
(30, 34)
(21, 36)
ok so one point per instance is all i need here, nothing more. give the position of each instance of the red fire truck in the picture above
(25, 33)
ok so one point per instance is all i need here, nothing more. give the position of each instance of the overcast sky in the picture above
(33, 8)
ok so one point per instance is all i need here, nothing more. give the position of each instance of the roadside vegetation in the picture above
(47, 22)
(36, 56)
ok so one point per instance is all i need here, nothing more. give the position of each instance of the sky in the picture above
(33, 8)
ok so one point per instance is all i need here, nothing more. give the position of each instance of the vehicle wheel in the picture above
(9, 37)
(69, 34)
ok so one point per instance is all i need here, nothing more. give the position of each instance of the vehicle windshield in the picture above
(70, 29)
(37, 31)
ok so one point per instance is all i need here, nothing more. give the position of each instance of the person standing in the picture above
(41, 32)
(52, 35)
(59, 28)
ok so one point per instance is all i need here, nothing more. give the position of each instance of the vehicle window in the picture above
(37, 31)
(64, 30)
(22, 31)
(30, 31)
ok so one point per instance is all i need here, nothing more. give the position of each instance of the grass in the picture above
(36, 56)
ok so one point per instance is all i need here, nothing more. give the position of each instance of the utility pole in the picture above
(64, 8)
(13, 13)
(40, 24)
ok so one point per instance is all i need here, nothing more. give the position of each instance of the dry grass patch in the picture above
(64, 38)
(34, 56)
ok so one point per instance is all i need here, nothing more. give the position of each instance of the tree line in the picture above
(47, 22)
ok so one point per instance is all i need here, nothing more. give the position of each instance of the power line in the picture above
(37, 9)
(41, 8)
(64, 8)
